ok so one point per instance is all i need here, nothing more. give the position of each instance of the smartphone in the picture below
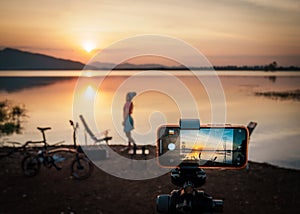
(209, 147)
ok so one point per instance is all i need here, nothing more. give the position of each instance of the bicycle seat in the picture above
(43, 129)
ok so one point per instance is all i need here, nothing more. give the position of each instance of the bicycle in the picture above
(31, 163)
(81, 166)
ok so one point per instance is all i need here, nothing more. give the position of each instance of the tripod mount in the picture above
(188, 199)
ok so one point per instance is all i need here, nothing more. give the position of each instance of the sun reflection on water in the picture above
(90, 92)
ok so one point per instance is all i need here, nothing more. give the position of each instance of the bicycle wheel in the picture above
(31, 165)
(82, 168)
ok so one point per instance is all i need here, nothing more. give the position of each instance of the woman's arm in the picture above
(125, 112)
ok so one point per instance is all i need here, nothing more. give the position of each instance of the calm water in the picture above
(48, 98)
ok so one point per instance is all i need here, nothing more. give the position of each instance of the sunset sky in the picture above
(228, 32)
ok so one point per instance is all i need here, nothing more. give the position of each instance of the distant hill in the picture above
(13, 59)
(129, 66)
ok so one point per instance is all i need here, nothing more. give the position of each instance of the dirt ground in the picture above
(261, 188)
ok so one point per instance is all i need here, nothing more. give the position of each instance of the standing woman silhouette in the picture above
(127, 119)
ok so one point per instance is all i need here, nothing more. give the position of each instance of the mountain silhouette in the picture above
(13, 59)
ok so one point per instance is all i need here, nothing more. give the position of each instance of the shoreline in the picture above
(117, 147)
(259, 188)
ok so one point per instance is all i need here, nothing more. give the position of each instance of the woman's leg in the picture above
(130, 139)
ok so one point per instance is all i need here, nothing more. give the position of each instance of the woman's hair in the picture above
(130, 95)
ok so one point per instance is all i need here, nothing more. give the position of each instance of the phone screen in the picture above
(207, 146)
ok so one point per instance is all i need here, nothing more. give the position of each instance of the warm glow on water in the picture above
(50, 102)
(90, 92)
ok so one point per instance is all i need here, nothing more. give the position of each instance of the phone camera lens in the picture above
(171, 146)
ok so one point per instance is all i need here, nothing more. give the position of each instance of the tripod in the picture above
(188, 199)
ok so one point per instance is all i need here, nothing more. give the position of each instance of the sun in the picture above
(88, 46)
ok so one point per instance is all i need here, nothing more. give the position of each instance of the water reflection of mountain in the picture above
(14, 84)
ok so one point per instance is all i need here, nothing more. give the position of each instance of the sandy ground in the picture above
(260, 189)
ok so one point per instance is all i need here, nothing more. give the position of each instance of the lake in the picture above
(52, 98)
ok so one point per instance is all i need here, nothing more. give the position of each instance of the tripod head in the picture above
(188, 173)
(187, 199)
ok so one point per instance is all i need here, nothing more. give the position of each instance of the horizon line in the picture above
(169, 67)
